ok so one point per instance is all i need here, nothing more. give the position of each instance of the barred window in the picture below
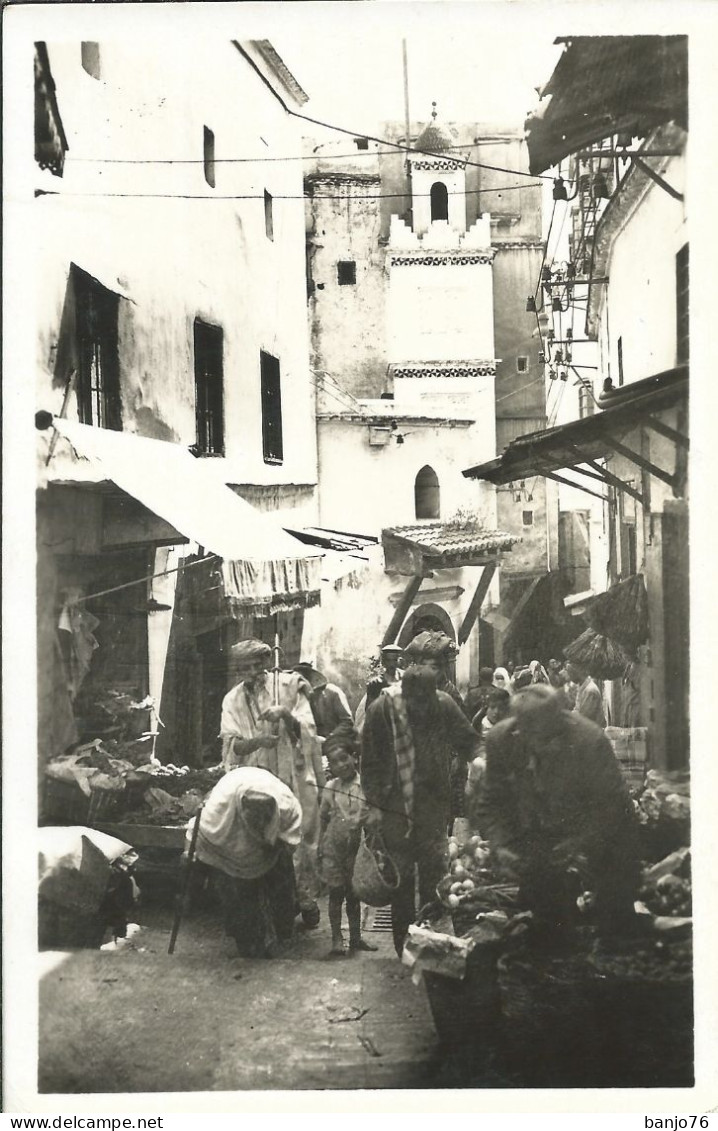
(209, 388)
(98, 367)
(272, 439)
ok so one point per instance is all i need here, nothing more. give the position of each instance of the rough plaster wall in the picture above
(531, 554)
(355, 612)
(440, 313)
(348, 336)
(380, 490)
(641, 296)
(180, 259)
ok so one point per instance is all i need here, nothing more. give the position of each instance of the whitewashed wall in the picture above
(177, 259)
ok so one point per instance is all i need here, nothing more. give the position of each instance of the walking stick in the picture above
(276, 660)
(182, 897)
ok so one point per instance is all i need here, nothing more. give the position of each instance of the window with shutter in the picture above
(272, 440)
(98, 367)
(209, 388)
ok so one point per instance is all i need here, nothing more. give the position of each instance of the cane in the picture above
(182, 897)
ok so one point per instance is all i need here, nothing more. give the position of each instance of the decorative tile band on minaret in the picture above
(445, 259)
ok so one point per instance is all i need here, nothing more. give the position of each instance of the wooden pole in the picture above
(476, 601)
(276, 660)
(402, 609)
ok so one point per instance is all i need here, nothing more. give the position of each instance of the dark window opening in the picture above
(361, 142)
(272, 441)
(439, 201)
(268, 215)
(528, 518)
(620, 361)
(209, 388)
(522, 365)
(347, 273)
(98, 367)
(427, 494)
(209, 156)
(682, 320)
(629, 555)
(90, 56)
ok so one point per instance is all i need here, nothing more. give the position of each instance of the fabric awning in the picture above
(604, 85)
(261, 563)
(573, 444)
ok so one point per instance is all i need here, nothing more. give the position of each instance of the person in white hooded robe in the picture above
(281, 737)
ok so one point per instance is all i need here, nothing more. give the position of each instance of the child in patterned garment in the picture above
(342, 813)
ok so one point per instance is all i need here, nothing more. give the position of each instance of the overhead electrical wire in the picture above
(304, 197)
(314, 156)
(543, 258)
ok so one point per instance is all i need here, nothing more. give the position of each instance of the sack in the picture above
(375, 877)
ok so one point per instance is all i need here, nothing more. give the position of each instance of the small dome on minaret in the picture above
(436, 137)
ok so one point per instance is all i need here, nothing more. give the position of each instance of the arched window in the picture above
(427, 503)
(90, 57)
(439, 201)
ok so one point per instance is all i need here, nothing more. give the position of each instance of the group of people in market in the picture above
(526, 762)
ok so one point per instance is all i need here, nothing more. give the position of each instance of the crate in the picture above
(647, 1029)
(547, 1033)
(64, 803)
(465, 1010)
(145, 836)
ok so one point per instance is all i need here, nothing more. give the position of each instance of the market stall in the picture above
(587, 1011)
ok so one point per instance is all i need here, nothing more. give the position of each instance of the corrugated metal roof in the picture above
(605, 85)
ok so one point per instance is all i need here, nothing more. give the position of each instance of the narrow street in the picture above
(203, 1019)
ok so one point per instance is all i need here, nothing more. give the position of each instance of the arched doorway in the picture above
(428, 618)
(439, 201)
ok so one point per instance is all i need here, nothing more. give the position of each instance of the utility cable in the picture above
(543, 258)
(275, 196)
(412, 149)
(314, 156)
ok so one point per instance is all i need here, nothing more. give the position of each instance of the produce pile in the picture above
(666, 887)
(665, 796)
(178, 798)
(471, 890)
(653, 960)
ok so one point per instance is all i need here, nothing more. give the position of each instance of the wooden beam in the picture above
(477, 601)
(402, 609)
(658, 179)
(520, 606)
(578, 486)
(608, 477)
(641, 461)
(582, 470)
(665, 430)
